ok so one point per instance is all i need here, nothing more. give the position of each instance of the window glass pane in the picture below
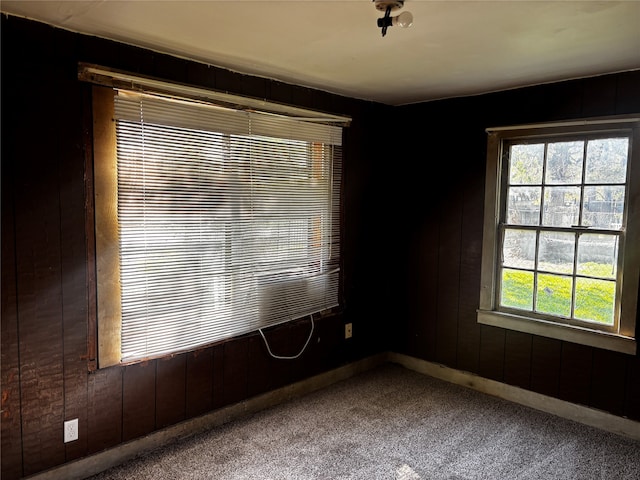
(561, 206)
(598, 255)
(595, 300)
(554, 295)
(564, 162)
(525, 164)
(603, 207)
(556, 252)
(517, 289)
(519, 248)
(523, 206)
(607, 160)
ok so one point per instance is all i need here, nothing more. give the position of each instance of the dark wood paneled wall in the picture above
(47, 262)
(444, 242)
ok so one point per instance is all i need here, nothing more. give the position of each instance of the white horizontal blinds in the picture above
(229, 221)
(202, 116)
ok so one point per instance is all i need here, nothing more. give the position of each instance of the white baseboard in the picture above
(579, 413)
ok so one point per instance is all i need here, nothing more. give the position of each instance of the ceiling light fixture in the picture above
(404, 20)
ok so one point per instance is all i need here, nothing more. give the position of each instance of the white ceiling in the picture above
(454, 48)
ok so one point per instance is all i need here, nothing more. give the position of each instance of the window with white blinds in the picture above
(227, 221)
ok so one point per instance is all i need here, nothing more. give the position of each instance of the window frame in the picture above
(105, 321)
(623, 339)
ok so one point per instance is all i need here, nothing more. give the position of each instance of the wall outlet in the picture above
(348, 330)
(70, 430)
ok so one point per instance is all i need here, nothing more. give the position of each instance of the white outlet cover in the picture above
(70, 430)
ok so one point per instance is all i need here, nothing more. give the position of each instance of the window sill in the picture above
(608, 341)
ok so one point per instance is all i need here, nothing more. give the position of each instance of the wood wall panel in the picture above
(608, 381)
(122, 56)
(171, 69)
(541, 103)
(328, 345)
(102, 52)
(259, 373)
(266, 372)
(599, 96)
(531, 106)
(448, 279)
(37, 230)
(470, 259)
(517, 359)
(38, 43)
(301, 332)
(218, 376)
(422, 287)
(200, 74)
(280, 92)
(73, 252)
(104, 409)
(492, 352)
(632, 405)
(558, 102)
(278, 371)
(545, 365)
(234, 370)
(301, 96)
(65, 65)
(255, 87)
(199, 382)
(290, 342)
(576, 364)
(138, 400)
(286, 341)
(314, 352)
(627, 98)
(228, 81)
(11, 419)
(10, 416)
(170, 390)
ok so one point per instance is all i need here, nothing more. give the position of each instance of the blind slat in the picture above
(198, 116)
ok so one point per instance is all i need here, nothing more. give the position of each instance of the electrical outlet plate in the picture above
(70, 430)
(348, 330)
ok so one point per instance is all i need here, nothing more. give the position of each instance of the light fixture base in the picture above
(382, 5)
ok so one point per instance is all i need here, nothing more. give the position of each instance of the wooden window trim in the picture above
(488, 314)
(105, 333)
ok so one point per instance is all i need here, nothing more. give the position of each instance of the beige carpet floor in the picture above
(393, 423)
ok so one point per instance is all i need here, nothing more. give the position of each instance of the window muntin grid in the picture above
(562, 228)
